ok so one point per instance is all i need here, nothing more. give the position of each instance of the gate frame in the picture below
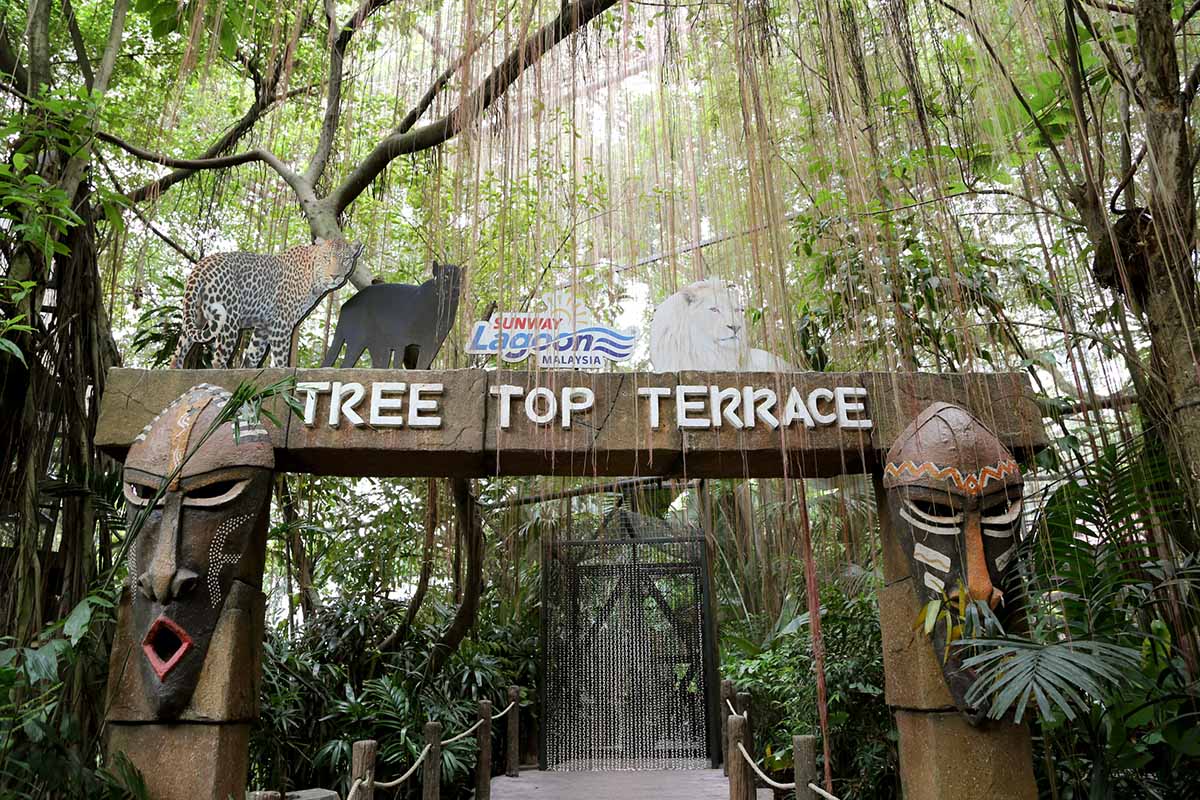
(711, 679)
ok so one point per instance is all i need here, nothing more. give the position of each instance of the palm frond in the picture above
(1062, 677)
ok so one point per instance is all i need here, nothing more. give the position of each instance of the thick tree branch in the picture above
(1193, 83)
(78, 163)
(265, 97)
(339, 40)
(302, 189)
(1116, 8)
(1169, 181)
(471, 525)
(10, 65)
(153, 189)
(85, 64)
(570, 19)
(1191, 12)
(219, 162)
(439, 83)
(38, 41)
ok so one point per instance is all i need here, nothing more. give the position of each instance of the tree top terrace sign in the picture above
(478, 423)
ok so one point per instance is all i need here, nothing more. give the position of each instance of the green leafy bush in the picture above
(44, 751)
(332, 686)
(782, 684)
(1105, 674)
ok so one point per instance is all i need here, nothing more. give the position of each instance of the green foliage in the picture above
(35, 212)
(17, 292)
(43, 751)
(1059, 677)
(159, 328)
(1103, 668)
(782, 685)
(332, 686)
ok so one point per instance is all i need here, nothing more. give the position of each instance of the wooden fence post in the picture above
(514, 733)
(743, 707)
(728, 697)
(431, 778)
(483, 761)
(362, 766)
(739, 770)
(804, 765)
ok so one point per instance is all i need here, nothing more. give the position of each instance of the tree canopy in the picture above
(908, 185)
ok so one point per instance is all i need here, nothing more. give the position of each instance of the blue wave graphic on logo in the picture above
(519, 345)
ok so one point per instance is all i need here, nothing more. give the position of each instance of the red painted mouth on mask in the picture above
(165, 644)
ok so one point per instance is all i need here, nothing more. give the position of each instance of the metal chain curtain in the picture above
(627, 666)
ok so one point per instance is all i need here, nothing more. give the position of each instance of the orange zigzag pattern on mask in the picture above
(971, 483)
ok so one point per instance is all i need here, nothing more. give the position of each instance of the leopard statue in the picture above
(268, 295)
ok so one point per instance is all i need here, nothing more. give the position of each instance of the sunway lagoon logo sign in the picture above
(562, 335)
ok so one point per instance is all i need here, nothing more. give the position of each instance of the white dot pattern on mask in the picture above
(131, 565)
(218, 559)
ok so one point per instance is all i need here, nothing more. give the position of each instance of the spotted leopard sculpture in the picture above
(269, 295)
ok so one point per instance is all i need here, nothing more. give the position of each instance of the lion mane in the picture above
(703, 327)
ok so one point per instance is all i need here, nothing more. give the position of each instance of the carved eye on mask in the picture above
(139, 494)
(999, 524)
(215, 493)
(1000, 518)
(211, 493)
(932, 516)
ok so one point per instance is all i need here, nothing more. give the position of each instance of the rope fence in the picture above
(764, 777)
(363, 754)
(744, 772)
(821, 792)
(462, 735)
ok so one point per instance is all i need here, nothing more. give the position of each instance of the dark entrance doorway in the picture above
(628, 661)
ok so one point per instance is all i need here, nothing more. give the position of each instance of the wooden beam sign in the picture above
(471, 422)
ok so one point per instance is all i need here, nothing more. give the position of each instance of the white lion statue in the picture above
(703, 327)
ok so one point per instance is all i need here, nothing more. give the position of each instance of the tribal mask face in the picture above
(206, 531)
(954, 493)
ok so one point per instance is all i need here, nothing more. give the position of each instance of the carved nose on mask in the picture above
(163, 586)
(979, 580)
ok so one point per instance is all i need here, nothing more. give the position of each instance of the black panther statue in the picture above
(408, 321)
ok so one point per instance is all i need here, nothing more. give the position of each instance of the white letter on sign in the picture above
(813, 397)
(654, 393)
(417, 404)
(506, 392)
(724, 405)
(531, 405)
(752, 409)
(311, 389)
(340, 405)
(844, 407)
(586, 401)
(379, 404)
(795, 409)
(683, 406)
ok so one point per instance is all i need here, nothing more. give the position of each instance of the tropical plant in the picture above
(780, 680)
(332, 685)
(1108, 668)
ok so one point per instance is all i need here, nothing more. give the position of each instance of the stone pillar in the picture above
(204, 754)
(942, 756)
(186, 660)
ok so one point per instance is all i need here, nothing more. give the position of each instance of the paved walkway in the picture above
(673, 784)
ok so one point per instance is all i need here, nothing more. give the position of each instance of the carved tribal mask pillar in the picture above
(204, 534)
(954, 493)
